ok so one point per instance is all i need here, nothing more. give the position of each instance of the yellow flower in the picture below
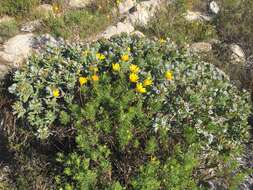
(169, 75)
(95, 78)
(93, 68)
(134, 68)
(148, 82)
(153, 158)
(56, 92)
(56, 8)
(162, 40)
(85, 53)
(100, 56)
(83, 80)
(140, 88)
(116, 67)
(133, 77)
(125, 57)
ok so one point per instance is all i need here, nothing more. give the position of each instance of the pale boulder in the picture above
(16, 49)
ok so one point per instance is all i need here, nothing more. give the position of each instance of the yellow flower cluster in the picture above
(133, 77)
(116, 67)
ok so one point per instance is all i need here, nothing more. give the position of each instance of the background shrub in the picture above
(234, 23)
(181, 124)
(17, 7)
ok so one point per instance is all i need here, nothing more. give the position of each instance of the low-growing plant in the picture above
(146, 115)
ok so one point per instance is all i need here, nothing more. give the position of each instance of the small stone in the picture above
(201, 47)
(3, 70)
(214, 7)
(138, 33)
(237, 54)
(31, 26)
(126, 5)
(78, 4)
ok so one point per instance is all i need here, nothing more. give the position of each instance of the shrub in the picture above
(77, 24)
(146, 115)
(169, 22)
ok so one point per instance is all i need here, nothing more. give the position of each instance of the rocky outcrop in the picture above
(139, 14)
(125, 6)
(143, 12)
(15, 50)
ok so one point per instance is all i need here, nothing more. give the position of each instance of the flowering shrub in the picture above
(146, 115)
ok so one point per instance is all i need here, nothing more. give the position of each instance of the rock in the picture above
(214, 7)
(44, 10)
(120, 27)
(201, 47)
(16, 49)
(31, 26)
(126, 5)
(138, 33)
(237, 54)
(196, 16)
(78, 4)
(143, 11)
